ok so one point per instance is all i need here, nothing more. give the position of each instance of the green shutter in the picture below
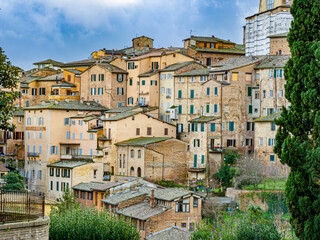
(192, 94)
(202, 159)
(250, 108)
(191, 109)
(208, 108)
(213, 127)
(195, 158)
(196, 127)
(249, 91)
(180, 109)
(202, 127)
(179, 94)
(231, 126)
(130, 82)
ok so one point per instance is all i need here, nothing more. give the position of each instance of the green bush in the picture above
(83, 223)
(14, 181)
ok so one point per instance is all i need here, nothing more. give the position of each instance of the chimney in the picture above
(152, 199)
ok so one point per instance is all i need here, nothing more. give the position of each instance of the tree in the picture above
(298, 136)
(226, 171)
(14, 181)
(8, 94)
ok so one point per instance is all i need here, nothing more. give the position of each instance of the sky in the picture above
(70, 30)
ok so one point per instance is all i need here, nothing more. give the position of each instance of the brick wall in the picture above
(38, 229)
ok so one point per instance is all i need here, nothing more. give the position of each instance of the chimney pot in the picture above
(152, 199)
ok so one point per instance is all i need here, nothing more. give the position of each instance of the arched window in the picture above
(132, 153)
(120, 161)
(29, 121)
(40, 121)
(139, 172)
(131, 171)
(139, 153)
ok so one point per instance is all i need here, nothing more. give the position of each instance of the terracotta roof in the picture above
(172, 233)
(208, 39)
(204, 119)
(142, 141)
(68, 164)
(69, 105)
(278, 61)
(142, 211)
(269, 118)
(236, 62)
(3, 168)
(49, 61)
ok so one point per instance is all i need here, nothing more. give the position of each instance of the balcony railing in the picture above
(215, 149)
(33, 154)
(76, 157)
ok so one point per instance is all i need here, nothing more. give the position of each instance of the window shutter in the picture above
(249, 91)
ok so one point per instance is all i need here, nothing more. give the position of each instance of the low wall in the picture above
(33, 230)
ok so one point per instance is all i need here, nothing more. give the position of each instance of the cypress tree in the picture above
(298, 136)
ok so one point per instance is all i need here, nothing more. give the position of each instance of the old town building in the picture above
(153, 158)
(143, 83)
(211, 50)
(167, 106)
(264, 141)
(128, 125)
(268, 92)
(51, 135)
(105, 84)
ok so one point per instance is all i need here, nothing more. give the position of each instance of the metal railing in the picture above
(33, 154)
(16, 206)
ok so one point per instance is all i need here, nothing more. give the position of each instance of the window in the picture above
(179, 94)
(182, 206)
(273, 126)
(130, 101)
(231, 126)
(202, 127)
(95, 173)
(281, 93)
(51, 185)
(208, 108)
(183, 225)
(249, 91)
(57, 172)
(33, 91)
(42, 91)
(271, 93)
(191, 94)
(67, 121)
(28, 121)
(261, 141)
(264, 94)
(215, 108)
(195, 202)
(149, 131)
(143, 82)
(180, 109)
(73, 136)
(212, 127)
(119, 91)
(191, 109)
(68, 135)
(57, 186)
(53, 150)
(139, 153)
(208, 91)
(153, 83)
(216, 91)
(132, 153)
(202, 159)
(90, 197)
(271, 141)
(154, 65)
(256, 95)
(83, 195)
(51, 172)
(250, 109)
(120, 161)
(137, 131)
(166, 131)
(130, 81)
(231, 143)
(234, 76)
(272, 158)
(40, 149)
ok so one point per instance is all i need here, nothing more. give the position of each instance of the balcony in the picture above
(76, 157)
(215, 150)
(33, 154)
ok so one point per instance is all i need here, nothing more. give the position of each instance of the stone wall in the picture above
(35, 230)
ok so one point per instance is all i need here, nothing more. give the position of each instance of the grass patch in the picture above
(270, 184)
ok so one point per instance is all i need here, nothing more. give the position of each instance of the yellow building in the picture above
(128, 125)
(266, 5)
(264, 142)
(143, 70)
(54, 131)
(105, 84)
(167, 87)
